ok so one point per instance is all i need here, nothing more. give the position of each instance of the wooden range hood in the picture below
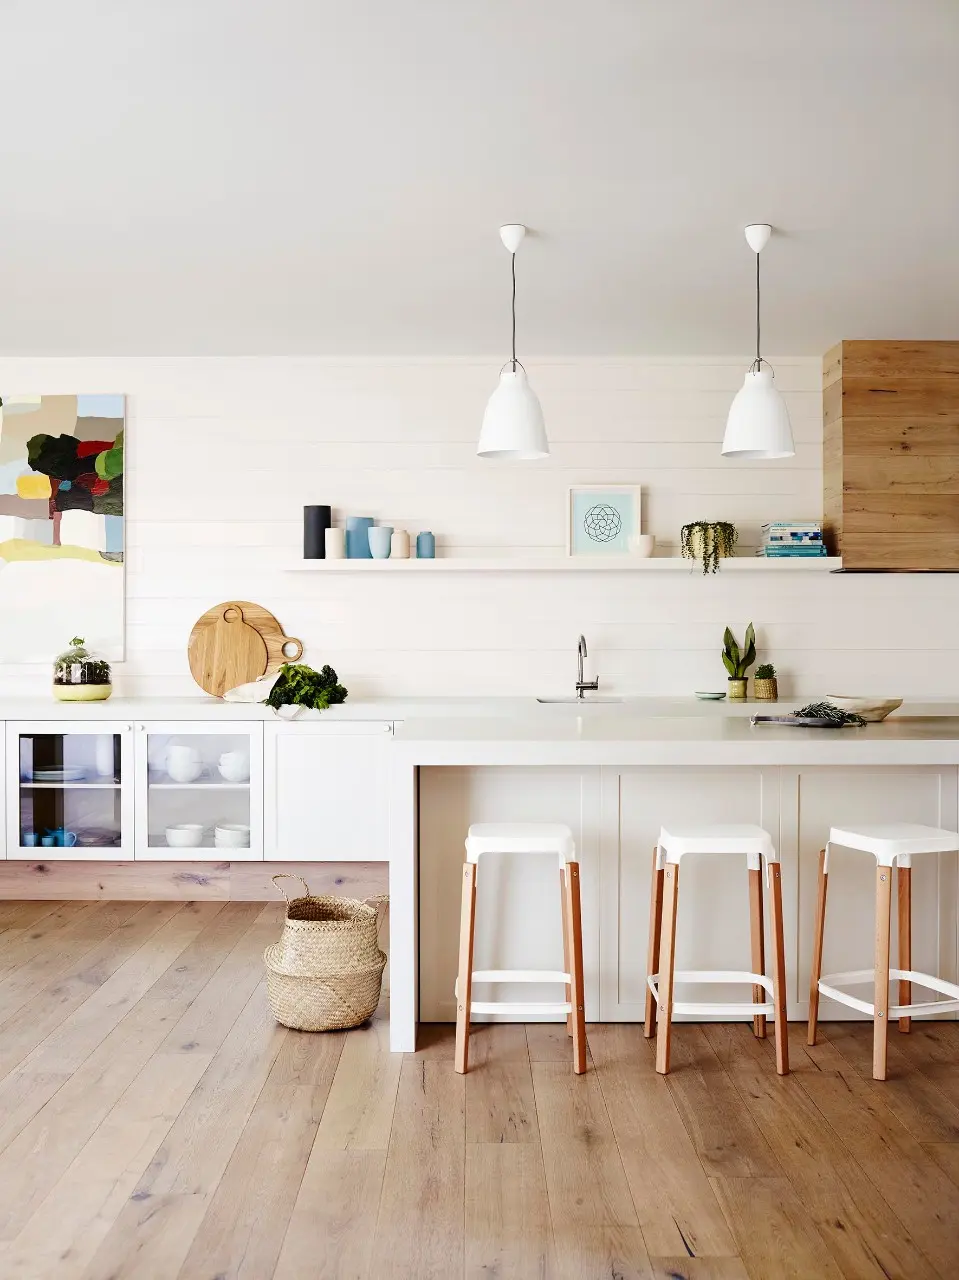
(891, 455)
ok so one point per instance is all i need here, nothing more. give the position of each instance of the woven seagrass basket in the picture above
(326, 971)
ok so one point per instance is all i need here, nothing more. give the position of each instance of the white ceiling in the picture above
(292, 176)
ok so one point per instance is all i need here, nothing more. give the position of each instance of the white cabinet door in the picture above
(712, 929)
(518, 907)
(69, 790)
(199, 791)
(327, 791)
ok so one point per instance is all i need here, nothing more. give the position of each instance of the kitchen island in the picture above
(615, 774)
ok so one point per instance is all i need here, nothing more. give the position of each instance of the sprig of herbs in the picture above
(299, 685)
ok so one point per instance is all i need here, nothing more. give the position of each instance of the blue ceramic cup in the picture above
(30, 839)
(380, 536)
(425, 546)
(47, 841)
(358, 538)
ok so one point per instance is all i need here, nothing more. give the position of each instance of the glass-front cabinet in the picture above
(199, 791)
(70, 791)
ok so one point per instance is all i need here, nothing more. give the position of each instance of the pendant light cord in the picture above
(513, 266)
(759, 359)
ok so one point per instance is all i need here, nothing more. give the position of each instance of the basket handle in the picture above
(283, 875)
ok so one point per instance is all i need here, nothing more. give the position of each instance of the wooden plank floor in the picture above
(155, 1124)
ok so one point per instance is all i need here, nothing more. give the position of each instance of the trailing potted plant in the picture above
(708, 541)
(737, 662)
(765, 686)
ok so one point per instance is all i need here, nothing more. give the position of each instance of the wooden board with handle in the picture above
(236, 642)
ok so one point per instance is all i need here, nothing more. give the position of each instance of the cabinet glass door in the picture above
(69, 793)
(201, 792)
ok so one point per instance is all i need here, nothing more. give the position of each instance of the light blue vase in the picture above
(358, 538)
(379, 539)
(425, 546)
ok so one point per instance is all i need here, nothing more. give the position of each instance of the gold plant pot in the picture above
(737, 689)
(766, 690)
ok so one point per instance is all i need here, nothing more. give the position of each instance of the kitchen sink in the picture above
(579, 702)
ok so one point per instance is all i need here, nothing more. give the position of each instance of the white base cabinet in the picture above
(103, 790)
(109, 790)
(327, 792)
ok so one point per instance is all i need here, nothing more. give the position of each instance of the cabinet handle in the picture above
(388, 729)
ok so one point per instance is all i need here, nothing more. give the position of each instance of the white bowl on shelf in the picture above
(872, 710)
(185, 835)
(231, 835)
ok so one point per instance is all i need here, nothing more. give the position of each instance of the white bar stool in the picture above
(891, 844)
(661, 976)
(523, 837)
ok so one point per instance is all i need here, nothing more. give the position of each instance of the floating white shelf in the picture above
(571, 564)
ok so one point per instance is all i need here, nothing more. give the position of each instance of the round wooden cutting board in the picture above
(234, 643)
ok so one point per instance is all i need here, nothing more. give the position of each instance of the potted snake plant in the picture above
(738, 661)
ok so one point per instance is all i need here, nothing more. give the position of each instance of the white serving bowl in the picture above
(232, 835)
(185, 835)
(872, 710)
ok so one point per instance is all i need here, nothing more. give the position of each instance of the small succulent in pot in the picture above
(738, 661)
(765, 685)
(81, 676)
(708, 541)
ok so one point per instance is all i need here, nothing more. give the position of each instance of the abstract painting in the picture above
(603, 519)
(61, 525)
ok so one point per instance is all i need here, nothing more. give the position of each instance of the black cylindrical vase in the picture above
(316, 521)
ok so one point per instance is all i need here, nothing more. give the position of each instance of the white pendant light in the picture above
(758, 422)
(513, 426)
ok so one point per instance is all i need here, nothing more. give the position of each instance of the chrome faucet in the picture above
(583, 685)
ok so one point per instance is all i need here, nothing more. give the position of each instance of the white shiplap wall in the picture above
(223, 453)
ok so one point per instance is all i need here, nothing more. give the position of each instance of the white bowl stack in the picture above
(231, 835)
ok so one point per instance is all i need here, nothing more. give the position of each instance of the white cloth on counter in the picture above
(258, 690)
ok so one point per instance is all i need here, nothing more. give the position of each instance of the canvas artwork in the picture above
(603, 519)
(61, 525)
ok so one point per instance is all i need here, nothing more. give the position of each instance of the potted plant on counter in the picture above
(737, 662)
(765, 686)
(708, 541)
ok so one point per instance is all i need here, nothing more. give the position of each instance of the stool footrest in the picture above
(735, 1009)
(535, 1008)
(520, 975)
(829, 986)
(528, 1008)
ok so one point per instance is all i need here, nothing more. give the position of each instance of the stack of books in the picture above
(782, 538)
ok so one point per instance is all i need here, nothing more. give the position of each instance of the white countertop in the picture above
(523, 710)
(600, 738)
(521, 731)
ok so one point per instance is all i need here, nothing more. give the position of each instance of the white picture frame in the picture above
(602, 518)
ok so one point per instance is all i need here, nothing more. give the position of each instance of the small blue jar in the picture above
(425, 546)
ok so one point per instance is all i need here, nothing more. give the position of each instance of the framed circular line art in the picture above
(601, 519)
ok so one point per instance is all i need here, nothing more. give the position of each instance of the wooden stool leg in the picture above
(758, 946)
(565, 916)
(464, 986)
(904, 886)
(817, 950)
(779, 968)
(881, 998)
(655, 932)
(667, 963)
(576, 967)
